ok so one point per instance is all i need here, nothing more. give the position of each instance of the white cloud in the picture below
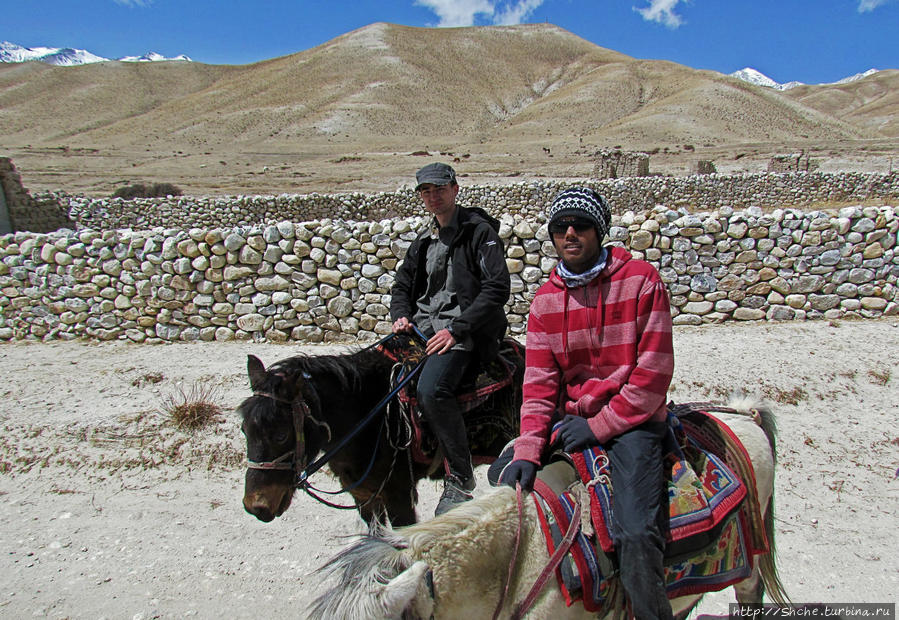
(869, 5)
(662, 11)
(517, 13)
(457, 12)
(463, 12)
(140, 3)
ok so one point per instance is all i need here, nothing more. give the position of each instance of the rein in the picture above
(322, 461)
(502, 596)
(564, 545)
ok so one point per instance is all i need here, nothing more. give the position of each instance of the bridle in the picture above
(289, 461)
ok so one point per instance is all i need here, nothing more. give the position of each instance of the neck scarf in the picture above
(573, 280)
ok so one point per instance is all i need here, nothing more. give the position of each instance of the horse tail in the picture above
(357, 571)
(767, 565)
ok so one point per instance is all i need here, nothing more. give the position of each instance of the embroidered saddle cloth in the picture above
(710, 542)
(491, 411)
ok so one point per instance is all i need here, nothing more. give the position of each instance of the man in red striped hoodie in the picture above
(600, 359)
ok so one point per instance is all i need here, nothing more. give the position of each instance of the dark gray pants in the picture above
(438, 385)
(640, 506)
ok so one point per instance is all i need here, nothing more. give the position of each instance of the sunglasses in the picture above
(578, 223)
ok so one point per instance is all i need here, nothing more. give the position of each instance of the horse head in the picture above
(281, 435)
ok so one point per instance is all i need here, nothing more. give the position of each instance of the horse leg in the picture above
(399, 497)
(395, 503)
(751, 590)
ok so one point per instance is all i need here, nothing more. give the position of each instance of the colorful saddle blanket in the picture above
(491, 411)
(710, 545)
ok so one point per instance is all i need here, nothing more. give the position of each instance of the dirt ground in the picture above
(110, 512)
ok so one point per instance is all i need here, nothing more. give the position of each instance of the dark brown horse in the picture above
(328, 398)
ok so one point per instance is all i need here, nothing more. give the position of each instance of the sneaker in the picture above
(455, 492)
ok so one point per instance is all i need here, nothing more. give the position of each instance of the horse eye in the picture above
(282, 436)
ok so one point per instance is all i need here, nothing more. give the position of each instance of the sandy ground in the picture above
(109, 512)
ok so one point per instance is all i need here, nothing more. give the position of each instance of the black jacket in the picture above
(481, 278)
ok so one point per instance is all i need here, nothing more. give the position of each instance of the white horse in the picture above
(457, 565)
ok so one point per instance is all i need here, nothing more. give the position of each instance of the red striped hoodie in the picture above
(602, 351)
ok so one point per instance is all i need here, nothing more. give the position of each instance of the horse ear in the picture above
(256, 370)
(399, 594)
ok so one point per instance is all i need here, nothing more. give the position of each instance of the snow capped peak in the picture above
(748, 74)
(758, 78)
(857, 76)
(153, 57)
(67, 56)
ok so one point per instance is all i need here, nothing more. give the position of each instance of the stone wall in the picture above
(528, 200)
(330, 279)
(42, 214)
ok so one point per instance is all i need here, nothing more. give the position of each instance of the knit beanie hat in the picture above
(585, 203)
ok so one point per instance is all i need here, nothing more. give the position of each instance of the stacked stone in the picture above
(329, 279)
(319, 281)
(785, 265)
(527, 199)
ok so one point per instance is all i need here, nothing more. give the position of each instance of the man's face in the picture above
(440, 200)
(576, 243)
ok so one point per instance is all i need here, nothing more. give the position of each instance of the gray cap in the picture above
(436, 174)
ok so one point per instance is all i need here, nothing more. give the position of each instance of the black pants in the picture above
(438, 384)
(640, 506)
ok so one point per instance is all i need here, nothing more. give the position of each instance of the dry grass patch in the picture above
(879, 377)
(194, 408)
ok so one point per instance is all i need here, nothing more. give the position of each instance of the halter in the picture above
(289, 460)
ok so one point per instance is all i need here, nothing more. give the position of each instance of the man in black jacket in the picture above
(452, 285)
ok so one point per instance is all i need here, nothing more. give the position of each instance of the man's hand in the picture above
(575, 434)
(519, 471)
(402, 324)
(440, 343)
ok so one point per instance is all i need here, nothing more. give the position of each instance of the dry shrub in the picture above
(192, 409)
(139, 190)
(879, 377)
(785, 397)
(146, 378)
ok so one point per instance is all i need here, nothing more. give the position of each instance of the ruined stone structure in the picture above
(618, 164)
(704, 166)
(24, 212)
(792, 163)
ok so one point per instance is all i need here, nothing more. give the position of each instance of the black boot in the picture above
(455, 491)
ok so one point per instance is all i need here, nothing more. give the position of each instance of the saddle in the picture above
(710, 541)
(488, 397)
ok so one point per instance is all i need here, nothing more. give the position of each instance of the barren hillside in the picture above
(507, 102)
(871, 103)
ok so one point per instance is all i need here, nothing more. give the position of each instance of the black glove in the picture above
(575, 434)
(519, 471)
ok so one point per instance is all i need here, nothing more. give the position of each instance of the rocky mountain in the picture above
(514, 98)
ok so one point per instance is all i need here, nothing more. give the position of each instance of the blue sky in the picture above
(811, 41)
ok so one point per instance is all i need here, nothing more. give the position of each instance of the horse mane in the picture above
(381, 555)
(348, 370)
